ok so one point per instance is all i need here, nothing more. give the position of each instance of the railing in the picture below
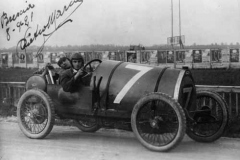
(231, 95)
(12, 91)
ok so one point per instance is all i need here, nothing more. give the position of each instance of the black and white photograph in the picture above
(15, 58)
(234, 55)
(162, 57)
(170, 56)
(180, 56)
(197, 56)
(216, 55)
(40, 58)
(22, 57)
(131, 56)
(119, 80)
(29, 58)
(4, 59)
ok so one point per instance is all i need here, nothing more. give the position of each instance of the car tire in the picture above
(158, 121)
(208, 127)
(35, 113)
(86, 125)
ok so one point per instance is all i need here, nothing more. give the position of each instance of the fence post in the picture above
(230, 104)
(11, 98)
(236, 104)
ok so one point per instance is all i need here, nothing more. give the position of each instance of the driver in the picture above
(71, 79)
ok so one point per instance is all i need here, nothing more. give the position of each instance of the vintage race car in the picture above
(158, 104)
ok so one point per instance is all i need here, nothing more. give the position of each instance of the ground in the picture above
(68, 142)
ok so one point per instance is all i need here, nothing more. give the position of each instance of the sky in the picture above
(119, 22)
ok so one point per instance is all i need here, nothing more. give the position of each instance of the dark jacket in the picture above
(68, 83)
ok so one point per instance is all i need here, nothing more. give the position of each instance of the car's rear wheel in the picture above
(35, 112)
(158, 122)
(87, 124)
(210, 119)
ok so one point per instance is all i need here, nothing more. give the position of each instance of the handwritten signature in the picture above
(5, 20)
(30, 37)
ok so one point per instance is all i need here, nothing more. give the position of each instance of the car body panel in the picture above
(168, 81)
(117, 86)
(128, 84)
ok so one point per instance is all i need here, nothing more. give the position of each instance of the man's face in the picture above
(65, 64)
(77, 64)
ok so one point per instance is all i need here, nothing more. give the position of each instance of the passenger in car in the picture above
(71, 79)
(63, 63)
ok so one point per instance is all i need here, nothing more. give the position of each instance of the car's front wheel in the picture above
(35, 113)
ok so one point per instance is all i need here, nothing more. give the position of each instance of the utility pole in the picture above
(180, 19)
(172, 16)
(180, 34)
(177, 39)
(174, 54)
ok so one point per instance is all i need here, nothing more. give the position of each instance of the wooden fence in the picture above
(12, 91)
(231, 94)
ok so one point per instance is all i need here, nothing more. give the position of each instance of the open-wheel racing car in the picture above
(158, 104)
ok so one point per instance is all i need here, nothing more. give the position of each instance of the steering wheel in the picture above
(92, 66)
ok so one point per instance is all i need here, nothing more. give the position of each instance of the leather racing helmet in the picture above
(76, 56)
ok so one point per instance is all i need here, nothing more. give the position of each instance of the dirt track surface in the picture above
(66, 142)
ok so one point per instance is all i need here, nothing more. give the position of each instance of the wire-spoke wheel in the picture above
(35, 114)
(158, 122)
(210, 119)
(87, 124)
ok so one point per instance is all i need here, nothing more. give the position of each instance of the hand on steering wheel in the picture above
(91, 68)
